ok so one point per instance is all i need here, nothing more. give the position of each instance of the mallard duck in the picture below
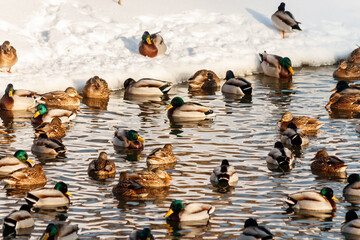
(8, 56)
(351, 224)
(60, 99)
(204, 79)
(280, 156)
(160, 156)
(353, 186)
(146, 87)
(96, 87)
(354, 56)
(9, 164)
(60, 230)
(156, 178)
(344, 103)
(343, 88)
(27, 177)
(293, 136)
(19, 99)
(18, 219)
(307, 124)
(48, 146)
(224, 175)
(181, 111)
(128, 139)
(129, 188)
(54, 129)
(276, 66)
(347, 70)
(325, 164)
(179, 212)
(152, 45)
(252, 231)
(42, 114)
(284, 20)
(236, 86)
(102, 168)
(309, 200)
(49, 197)
(144, 234)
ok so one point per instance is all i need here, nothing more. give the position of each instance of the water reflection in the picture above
(96, 104)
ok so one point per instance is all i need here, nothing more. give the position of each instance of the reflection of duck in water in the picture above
(347, 70)
(144, 234)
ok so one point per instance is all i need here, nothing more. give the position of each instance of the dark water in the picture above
(243, 132)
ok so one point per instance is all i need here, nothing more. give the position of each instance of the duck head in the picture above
(40, 110)
(176, 102)
(146, 37)
(286, 63)
(62, 187)
(133, 135)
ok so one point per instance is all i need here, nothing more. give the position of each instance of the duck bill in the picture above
(169, 107)
(329, 103)
(29, 160)
(169, 213)
(77, 95)
(11, 94)
(140, 139)
(62, 126)
(47, 235)
(69, 194)
(36, 114)
(332, 90)
(334, 198)
(148, 40)
(168, 177)
(291, 70)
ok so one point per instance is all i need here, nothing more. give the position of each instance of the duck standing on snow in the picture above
(252, 231)
(284, 20)
(42, 114)
(53, 129)
(181, 111)
(128, 139)
(204, 79)
(347, 70)
(152, 45)
(19, 99)
(351, 225)
(102, 168)
(309, 200)
(62, 99)
(307, 124)
(236, 86)
(146, 87)
(224, 175)
(96, 87)
(60, 230)
(279, 156)
(178, 212)
(18, 220)
(276, 66)
(9, 164)
(8, 56)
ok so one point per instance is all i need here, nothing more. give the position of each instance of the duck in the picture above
(284, 20)
(61, 99)
(354, 56)
(358, 128)
(344, 103)
(128, 139)
(54, 129)
(11, 163)
(8, 56)
(204, 79)
(343, 88)
(26, 177)
(144, 234)
(152, 45)
(96, 87)
(224, 175)
(307, 124)
(252, 231)
(325, 164)
(160, 156)
(347, 70)
(179, 212)
(181, 111)
(129, 188)
(293, 136)
(42, 115)
(236, 86)
(276, 66)
(48, 146)
(49, 197)
(18, 219)
(102, 168)
(280, 156)
(19, 99)
(60, 230)
(353, 186)
(352, 224)
(146, 87)
(310, 200)
(158, 177)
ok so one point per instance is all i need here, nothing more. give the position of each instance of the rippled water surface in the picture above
(243, 132)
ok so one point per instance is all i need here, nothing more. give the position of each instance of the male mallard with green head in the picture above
(19, 99)
(47, 146)
(8, 56)
(144, 234)
(280, 156)
(42, 114)
(11, 163)
(224, 175)
(152, 45)
(276, 66)
(353, 186)
(29, 177)
(351, 225)
(343, 88)
(128, 139)
(60, 230)
(179, 212)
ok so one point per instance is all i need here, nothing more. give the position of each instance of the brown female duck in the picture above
(156, 178)
(324, 164)
(8, 56)
(344, 103)
(96, 87)
(129, 188)
(307, 124)
(102, 168)
(354, 56)
(204, 79)
(347, 70)
(62, 99)
(27, 177)
(54, 129)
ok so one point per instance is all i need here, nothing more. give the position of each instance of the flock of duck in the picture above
(56, 108)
